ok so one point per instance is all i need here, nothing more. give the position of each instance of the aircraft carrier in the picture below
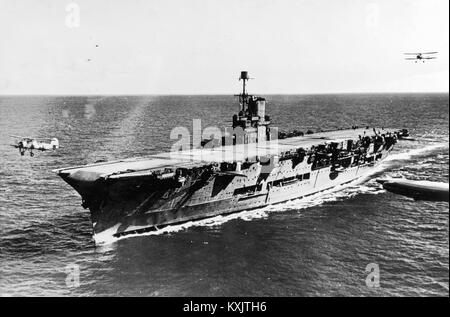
(250, 167)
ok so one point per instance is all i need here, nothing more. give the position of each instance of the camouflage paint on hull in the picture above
(128, 206)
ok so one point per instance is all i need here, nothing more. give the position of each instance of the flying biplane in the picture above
(29, 144)
(420, 56)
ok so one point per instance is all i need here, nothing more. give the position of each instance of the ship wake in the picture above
(423, 150)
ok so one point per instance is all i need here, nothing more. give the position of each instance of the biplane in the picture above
(420, 56)
(30, 144)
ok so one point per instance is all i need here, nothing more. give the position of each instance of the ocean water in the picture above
(315, 247)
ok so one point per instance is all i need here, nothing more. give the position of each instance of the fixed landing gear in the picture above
(21, 149)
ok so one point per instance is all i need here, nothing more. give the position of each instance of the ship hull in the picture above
(123, 216)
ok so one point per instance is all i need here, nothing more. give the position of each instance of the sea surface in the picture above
(316, 247)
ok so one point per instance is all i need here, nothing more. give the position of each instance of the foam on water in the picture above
(246, 215)
(415, 152)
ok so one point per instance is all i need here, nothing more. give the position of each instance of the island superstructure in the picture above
(252, 167)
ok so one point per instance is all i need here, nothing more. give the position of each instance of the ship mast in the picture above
(243, 97)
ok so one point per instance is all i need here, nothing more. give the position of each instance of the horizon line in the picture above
(220, 94)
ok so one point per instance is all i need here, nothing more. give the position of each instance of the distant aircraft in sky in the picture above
(420, 56)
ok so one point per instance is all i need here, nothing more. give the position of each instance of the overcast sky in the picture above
(200, 46)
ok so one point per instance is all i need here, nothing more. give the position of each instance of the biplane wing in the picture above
(29, 139)
(22, 137)
(420, 53)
